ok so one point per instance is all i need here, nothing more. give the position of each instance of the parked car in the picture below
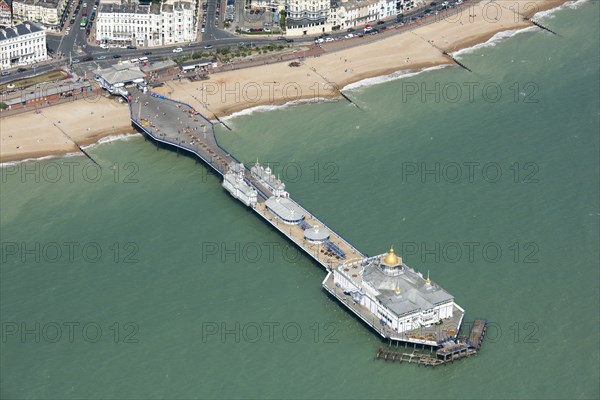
(117, 56)
(101, 58)
(22, 69)
(88, 58)
(131, 47)
(147, 53)
(380, 22)
(5, 73)
(177, 50)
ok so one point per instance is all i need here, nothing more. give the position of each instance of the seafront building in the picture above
(22, 44)
(46, 13)
(313, 17)
(401, 298)
(146, 25)
(5, 14)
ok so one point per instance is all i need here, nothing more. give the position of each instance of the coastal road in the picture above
(74, 41)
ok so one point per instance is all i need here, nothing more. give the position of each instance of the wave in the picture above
(265, 108)
(390, 77)
(572, 5)
(42, 158)
(112, 138)
(497, 38)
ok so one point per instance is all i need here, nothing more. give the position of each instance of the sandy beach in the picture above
(35, 135)
(56, 129)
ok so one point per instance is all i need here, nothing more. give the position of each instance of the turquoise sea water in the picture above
(182, 262)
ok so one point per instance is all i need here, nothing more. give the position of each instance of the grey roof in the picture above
(316, 234)
(41, 3)
(129, 8)
(415, 293)
(24, 28)
(285, 209)
(265, 175)
(240, 185)
(120, 73)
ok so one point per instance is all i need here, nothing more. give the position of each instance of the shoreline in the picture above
(239, 92)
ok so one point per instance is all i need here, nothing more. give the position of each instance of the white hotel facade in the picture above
(131, 23)
(46, 13)
(22, 44)
(314, 17)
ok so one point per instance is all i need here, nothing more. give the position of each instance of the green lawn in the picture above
(45, 77)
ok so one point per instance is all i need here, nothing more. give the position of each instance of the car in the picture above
(190, 44)
(5, 73)
(117, 56)
(75, 61)
(289, 40)
(101, 58)
(72, 21)
(84, 5)
(177, 50)
(95, 7)
(131, 47)
(380, 22)
(202, 30)
(22, 69)
(147, 53)
(88, 58)
(350, 30)
(85, 14)
(68, 30)
(208, 46)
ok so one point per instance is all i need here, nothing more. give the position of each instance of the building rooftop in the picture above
(316, 234)
(129, 8)
(400, 288)
(24, 28)
(285, 209)
(41, 3)
(120, 73)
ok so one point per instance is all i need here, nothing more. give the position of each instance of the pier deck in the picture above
(180, 125)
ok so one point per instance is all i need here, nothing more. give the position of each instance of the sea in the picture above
(140, 277)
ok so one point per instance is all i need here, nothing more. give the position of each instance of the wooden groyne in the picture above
(460, 64)
(221, 122)
(540, 26)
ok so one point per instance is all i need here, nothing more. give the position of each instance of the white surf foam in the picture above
(390, 77)
(112, 138)
(497, 38)
(265, 108)
(43, 158)
(548, 14)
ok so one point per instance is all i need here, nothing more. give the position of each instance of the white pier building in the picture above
(234, 183)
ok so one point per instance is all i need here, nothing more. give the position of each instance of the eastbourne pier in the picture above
(397, 302)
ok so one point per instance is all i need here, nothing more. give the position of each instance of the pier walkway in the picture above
(181, 126)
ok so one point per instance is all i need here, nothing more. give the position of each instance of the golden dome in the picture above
(391, 258)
